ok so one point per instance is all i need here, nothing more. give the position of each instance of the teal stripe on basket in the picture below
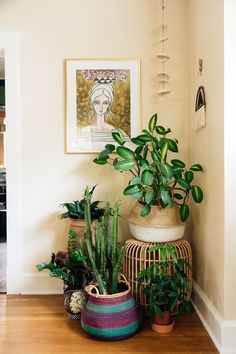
(112, 308)
(112, 332)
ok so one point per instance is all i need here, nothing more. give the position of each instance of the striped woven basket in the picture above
(110, 317)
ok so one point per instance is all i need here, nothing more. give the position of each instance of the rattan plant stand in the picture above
(138, 258)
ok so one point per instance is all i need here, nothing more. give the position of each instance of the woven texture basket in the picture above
(110, 317)
(137, 258)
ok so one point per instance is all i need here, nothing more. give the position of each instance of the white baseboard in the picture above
(40, 284)
(222, 333)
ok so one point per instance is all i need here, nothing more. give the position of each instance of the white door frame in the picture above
(9, 41)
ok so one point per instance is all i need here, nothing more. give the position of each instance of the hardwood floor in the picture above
(39, 325)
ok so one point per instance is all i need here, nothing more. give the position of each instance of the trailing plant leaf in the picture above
(125, 153)
(188, 176)
(196, 167)
(184, 212)
(197, 194)
(172, 145)
(146, 209)
(123, 165)
(147, 178)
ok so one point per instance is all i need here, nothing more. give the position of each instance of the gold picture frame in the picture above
(102, 95)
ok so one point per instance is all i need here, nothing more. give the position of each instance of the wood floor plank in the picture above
(39, 325)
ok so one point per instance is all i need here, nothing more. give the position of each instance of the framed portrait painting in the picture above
(102, 95)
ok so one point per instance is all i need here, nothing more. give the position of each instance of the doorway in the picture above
(9, 44)
(3, 209)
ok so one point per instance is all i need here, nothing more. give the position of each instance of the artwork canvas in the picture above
(101, 97)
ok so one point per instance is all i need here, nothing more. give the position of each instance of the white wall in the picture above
(50, 32)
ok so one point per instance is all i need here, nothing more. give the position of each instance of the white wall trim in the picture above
(33, 283)
(9, 42)
(222, 332)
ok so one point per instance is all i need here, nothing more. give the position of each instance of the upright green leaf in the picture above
(160, 130)
(144, 138)
(197, 194)
(155, 156)
(110, 147)
(164, 151)
(125, 153)
(138, 141)
(118, 137)
(152, 123)
(132, 189)
(148, 197)
(166, 170)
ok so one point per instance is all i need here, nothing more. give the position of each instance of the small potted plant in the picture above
(68, 267)
(111, 312)
(161, 185)
(76, 213)
(167, 288)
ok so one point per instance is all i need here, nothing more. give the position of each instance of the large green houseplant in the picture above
(167, 287)
(109, 294)
(156, 179)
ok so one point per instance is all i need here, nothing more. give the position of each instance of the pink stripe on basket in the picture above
(98, 320)
(107, 301)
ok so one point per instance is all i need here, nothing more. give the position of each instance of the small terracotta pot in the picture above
(79, 227)
(163, 328)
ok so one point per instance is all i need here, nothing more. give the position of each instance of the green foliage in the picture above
(76, 209)
(104, 256)
(68, 266)
(156, 180)
(166, 283)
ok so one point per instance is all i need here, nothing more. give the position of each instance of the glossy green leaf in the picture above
(138, 141)
(146, 209)
(100, 161)
(132, 189)
(165, 197)
(196, 167)
(160, 130)
(147, 178)
(184, 212)
(110, 147)
(145, 152)
(178, 163)
(118, 137)
(171, 202)
(145, 131)
(172, 145)
(138, 150)
(124, 165)
(104, 153)
(156, 157)
(166, 170)
(184, 184)
(148, 197)
(144, 137)
(135, 180)
(152, 123)
(188, 176)
(125, 153)
(197, 194)
(144, 163)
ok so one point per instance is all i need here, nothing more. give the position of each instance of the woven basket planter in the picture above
(110, 317)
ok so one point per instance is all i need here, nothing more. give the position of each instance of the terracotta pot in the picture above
(74, 302)
(110, 317)
(164, 320)
(161, 225)
(78, 226)
(163, 328)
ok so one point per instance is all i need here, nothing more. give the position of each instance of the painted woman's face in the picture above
(101, 104)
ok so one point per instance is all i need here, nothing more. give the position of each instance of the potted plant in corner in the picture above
(161, 186)
(76, 213)
(68, 267)
(111, 312)
(167, 287)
